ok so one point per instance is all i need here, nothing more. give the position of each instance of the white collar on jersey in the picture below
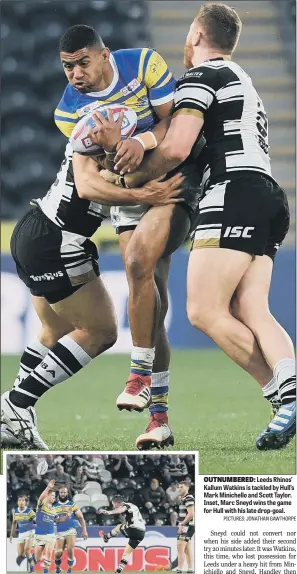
(22, 510)
(111, 86)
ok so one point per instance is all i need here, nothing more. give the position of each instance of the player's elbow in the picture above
(82, 187)
(176, 151)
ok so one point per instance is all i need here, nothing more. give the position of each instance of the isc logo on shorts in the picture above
(239, 231)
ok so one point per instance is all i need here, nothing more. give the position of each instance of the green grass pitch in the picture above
(215, 408)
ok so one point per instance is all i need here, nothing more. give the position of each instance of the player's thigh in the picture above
(124, 238)
(53, 263)
(28, 545)
(90, 308)
(251, 296)
(70, 541)
(49, 319)
(38, 550)
(213, 276)
(181, 545)
(160, 232)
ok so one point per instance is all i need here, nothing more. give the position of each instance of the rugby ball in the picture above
(79, 138)
(42, 467)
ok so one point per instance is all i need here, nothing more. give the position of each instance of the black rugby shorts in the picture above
(53, 263)
(188, 534)
(247, 213)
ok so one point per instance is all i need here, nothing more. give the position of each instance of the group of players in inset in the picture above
(208, 133)
(53, 528)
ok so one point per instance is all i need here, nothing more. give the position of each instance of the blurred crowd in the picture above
(149, 481)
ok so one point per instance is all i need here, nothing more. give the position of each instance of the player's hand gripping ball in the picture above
(80, 139)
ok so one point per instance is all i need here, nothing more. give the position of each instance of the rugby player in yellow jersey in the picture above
(66, 531)
(140, 79)
(45, 525)
(23, 519)
(51, 245)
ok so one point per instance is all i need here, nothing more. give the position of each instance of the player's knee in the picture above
(103, 340)
(200, 316)
(58, 554)
(49, 336)
(138, 263)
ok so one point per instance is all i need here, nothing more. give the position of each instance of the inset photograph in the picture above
(98, 512)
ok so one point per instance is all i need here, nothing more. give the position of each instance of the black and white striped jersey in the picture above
(187, 501)
(235, 122)
(132, 516)
(64, 207)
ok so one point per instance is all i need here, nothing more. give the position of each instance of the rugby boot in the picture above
(275, 405)
(22, 423)
(157, 435)
(281, 429)
(136, 395)
(104, 536)
(20, 559)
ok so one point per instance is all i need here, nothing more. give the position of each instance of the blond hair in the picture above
(222, 26)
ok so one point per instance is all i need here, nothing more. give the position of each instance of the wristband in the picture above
(122, 182)
(147, 139)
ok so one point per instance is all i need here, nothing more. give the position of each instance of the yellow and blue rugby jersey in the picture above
(61, 508)
(24, 519)
(45, 519)
(141, 81)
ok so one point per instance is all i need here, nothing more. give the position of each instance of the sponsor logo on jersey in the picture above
(239, 231)
(133, 85)
(47, 276)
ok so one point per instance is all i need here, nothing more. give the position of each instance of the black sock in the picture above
(64, 360)
(287, 390)
(122, 565)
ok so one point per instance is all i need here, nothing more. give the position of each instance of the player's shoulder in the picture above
(133, 57)
(127, 56)
(189, 498)
(210, 73)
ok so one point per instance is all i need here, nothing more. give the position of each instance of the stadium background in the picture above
(31, 152)
(92, 480)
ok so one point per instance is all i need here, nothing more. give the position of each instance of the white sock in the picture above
(142, 361)
(159, 391)
(30, 359)
(160, 379)
(285, 369)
